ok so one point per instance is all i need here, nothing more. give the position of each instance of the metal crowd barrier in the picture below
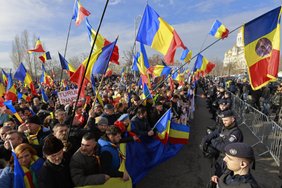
(267, 132)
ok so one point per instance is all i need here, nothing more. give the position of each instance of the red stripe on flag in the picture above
(258, 72)
(175, 43)
(274, 63)
(178, 140)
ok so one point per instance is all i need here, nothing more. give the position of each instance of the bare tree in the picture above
(155, 59)
(17, 53)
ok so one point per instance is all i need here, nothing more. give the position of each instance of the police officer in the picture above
(238, 158)
(214, 143)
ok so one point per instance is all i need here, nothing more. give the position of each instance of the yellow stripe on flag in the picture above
(163, 37)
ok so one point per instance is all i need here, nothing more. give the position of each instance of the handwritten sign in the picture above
(67, 97)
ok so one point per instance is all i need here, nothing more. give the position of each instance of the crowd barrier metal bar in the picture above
(267, 132)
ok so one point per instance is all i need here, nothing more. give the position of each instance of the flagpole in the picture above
(66, 47)
(88, 60)
(98, 89)
(168, 76)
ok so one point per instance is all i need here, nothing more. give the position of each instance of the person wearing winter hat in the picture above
(123, 123)
(55, 171)
(34, 132)
(238, 158)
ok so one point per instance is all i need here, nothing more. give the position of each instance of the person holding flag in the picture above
(23, 169)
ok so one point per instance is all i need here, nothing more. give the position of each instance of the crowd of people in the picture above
(77, 145)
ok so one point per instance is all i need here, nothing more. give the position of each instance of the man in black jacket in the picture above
(85, 164)
(55, 171)
(140, 125)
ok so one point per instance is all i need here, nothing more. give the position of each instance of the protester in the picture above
(30, 164)
(140, 125)
(111, 157)
(55, 171)
(85, 164)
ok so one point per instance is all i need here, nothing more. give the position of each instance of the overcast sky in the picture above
(192, 19)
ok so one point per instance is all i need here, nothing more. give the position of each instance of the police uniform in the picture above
(223, 136)
(218, 139)
(228, 179)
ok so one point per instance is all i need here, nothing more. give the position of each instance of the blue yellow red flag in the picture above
(10, 106)
(18, 173)
(157, 33)
(38, 47)
(261, 38)
(186, 55)
(103, 60)
(219, 30)
(163, 126)
(46, 56)
(79, 13)
(178, 133)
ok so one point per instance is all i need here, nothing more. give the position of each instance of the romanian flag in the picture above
(11, 92)
(186, 55)
(158, 34)
(24, 96)
(218, 30)
(65, 65)
(2, 90)
(18, 173)
(209, 67)
(22, 75)
(101, 42)
(143, 56)
(98, 64)
(146, 92)
(178, 133)
(38, 47)
(10, 106)
(135, 61)
(101, 65)
(261, 38)
(143, 70)
(45, 79)
(159, 70)
(200, 63)
(163, 126)
(45, 98)
(4, 77)
(179, 77)
(79, 13)
(46, 56)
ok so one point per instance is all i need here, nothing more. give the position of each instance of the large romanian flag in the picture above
(262, 48)
(101, 42)
(158, 34)
(98, 64)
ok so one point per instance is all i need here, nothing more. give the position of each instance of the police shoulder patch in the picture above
(232, 138)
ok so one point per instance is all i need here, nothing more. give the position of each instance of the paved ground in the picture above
(190, 170)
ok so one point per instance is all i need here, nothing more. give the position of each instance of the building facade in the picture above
(234, 58)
